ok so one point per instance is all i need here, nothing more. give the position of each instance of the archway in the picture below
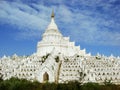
(45, 77)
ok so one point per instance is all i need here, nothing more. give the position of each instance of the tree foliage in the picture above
(23, 84)
(57, 59)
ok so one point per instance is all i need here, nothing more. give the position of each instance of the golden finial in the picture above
(52, 15)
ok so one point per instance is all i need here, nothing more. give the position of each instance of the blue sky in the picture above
(92, 24)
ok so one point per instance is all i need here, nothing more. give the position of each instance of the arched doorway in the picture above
(45, 77)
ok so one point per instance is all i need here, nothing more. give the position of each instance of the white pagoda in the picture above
(59, 60)
(53, 40)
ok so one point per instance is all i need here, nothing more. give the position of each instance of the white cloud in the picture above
(22, 16)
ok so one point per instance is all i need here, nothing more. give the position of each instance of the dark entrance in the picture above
(45, 77)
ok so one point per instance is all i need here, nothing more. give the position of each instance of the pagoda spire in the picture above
(52, 15)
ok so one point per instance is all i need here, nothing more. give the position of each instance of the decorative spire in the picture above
(52, 15)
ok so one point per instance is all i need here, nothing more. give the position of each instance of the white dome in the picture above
(52, 25)
(52, 29)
